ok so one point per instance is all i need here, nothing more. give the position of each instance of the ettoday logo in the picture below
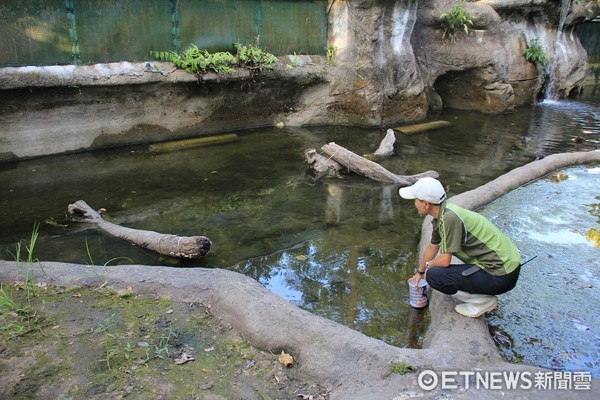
(505, 380)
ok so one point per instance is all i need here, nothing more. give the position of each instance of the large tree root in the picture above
(166, 244)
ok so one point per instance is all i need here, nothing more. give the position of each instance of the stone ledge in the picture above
(128, 73)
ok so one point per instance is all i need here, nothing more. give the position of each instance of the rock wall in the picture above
(397, 61)
(392, 66)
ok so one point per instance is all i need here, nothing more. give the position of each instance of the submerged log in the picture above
(192, 143)
(424, 127)
(166, 244)
(370, 169)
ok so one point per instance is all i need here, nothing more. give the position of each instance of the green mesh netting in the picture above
(48, 32)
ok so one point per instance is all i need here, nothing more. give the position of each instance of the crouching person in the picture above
(491, 261)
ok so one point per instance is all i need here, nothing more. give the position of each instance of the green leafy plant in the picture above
(400, 367)
(252, 57)
(331, 53)
(535, 52)
(295, 61)
(27, 277)
(221, 62)
(196, 61)
(162, 346)
(455, 20)
(108, 341)
(167, 56)
(22, 318)
(18, 319)
(20, 315)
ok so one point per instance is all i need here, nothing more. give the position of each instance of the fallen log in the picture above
(425, 126)
(166, 244)
(370, 169)
(321, 165)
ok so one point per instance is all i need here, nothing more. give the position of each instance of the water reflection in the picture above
(555, 123)
(342, 248)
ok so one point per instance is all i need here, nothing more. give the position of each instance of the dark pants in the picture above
(449, 280)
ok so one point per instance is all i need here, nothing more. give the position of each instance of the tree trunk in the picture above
(166, 244)
(370, 169)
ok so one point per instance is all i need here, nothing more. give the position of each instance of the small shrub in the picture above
(535, 52)
(251, 56)
(331, 53)
(455, 20)
(400, 367)
(197, 61)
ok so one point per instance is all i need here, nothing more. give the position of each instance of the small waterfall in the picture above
(402, 25)
(559, 57)
(565, 6)
(553, 72)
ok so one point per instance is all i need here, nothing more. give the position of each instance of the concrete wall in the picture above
(61, 109)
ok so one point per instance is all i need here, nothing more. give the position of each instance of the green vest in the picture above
(474, 240)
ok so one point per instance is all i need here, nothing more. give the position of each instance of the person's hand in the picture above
(416, 278)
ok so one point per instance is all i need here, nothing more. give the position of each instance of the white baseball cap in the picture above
(429, 189)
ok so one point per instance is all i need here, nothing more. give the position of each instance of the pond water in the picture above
(341, 248)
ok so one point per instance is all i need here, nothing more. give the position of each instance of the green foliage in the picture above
(108, 341)
(196, 61)
(162, 344)
(400, 367)
(331, 53)
(24, 264)
(117, 348)
(455, 20)
(16, 319)
(168, 56)
(21, 319)
(253, 57)
(535, 52)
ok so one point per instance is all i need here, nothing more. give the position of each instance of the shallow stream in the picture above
(341, 248)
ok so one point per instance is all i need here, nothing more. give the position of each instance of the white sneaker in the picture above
(476, 307)
(466, 296)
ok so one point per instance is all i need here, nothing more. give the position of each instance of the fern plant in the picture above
(196, 61)
(253, 57)
(455, 20)
(535, 52)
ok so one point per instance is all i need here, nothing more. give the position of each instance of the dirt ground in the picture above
(97, 343)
